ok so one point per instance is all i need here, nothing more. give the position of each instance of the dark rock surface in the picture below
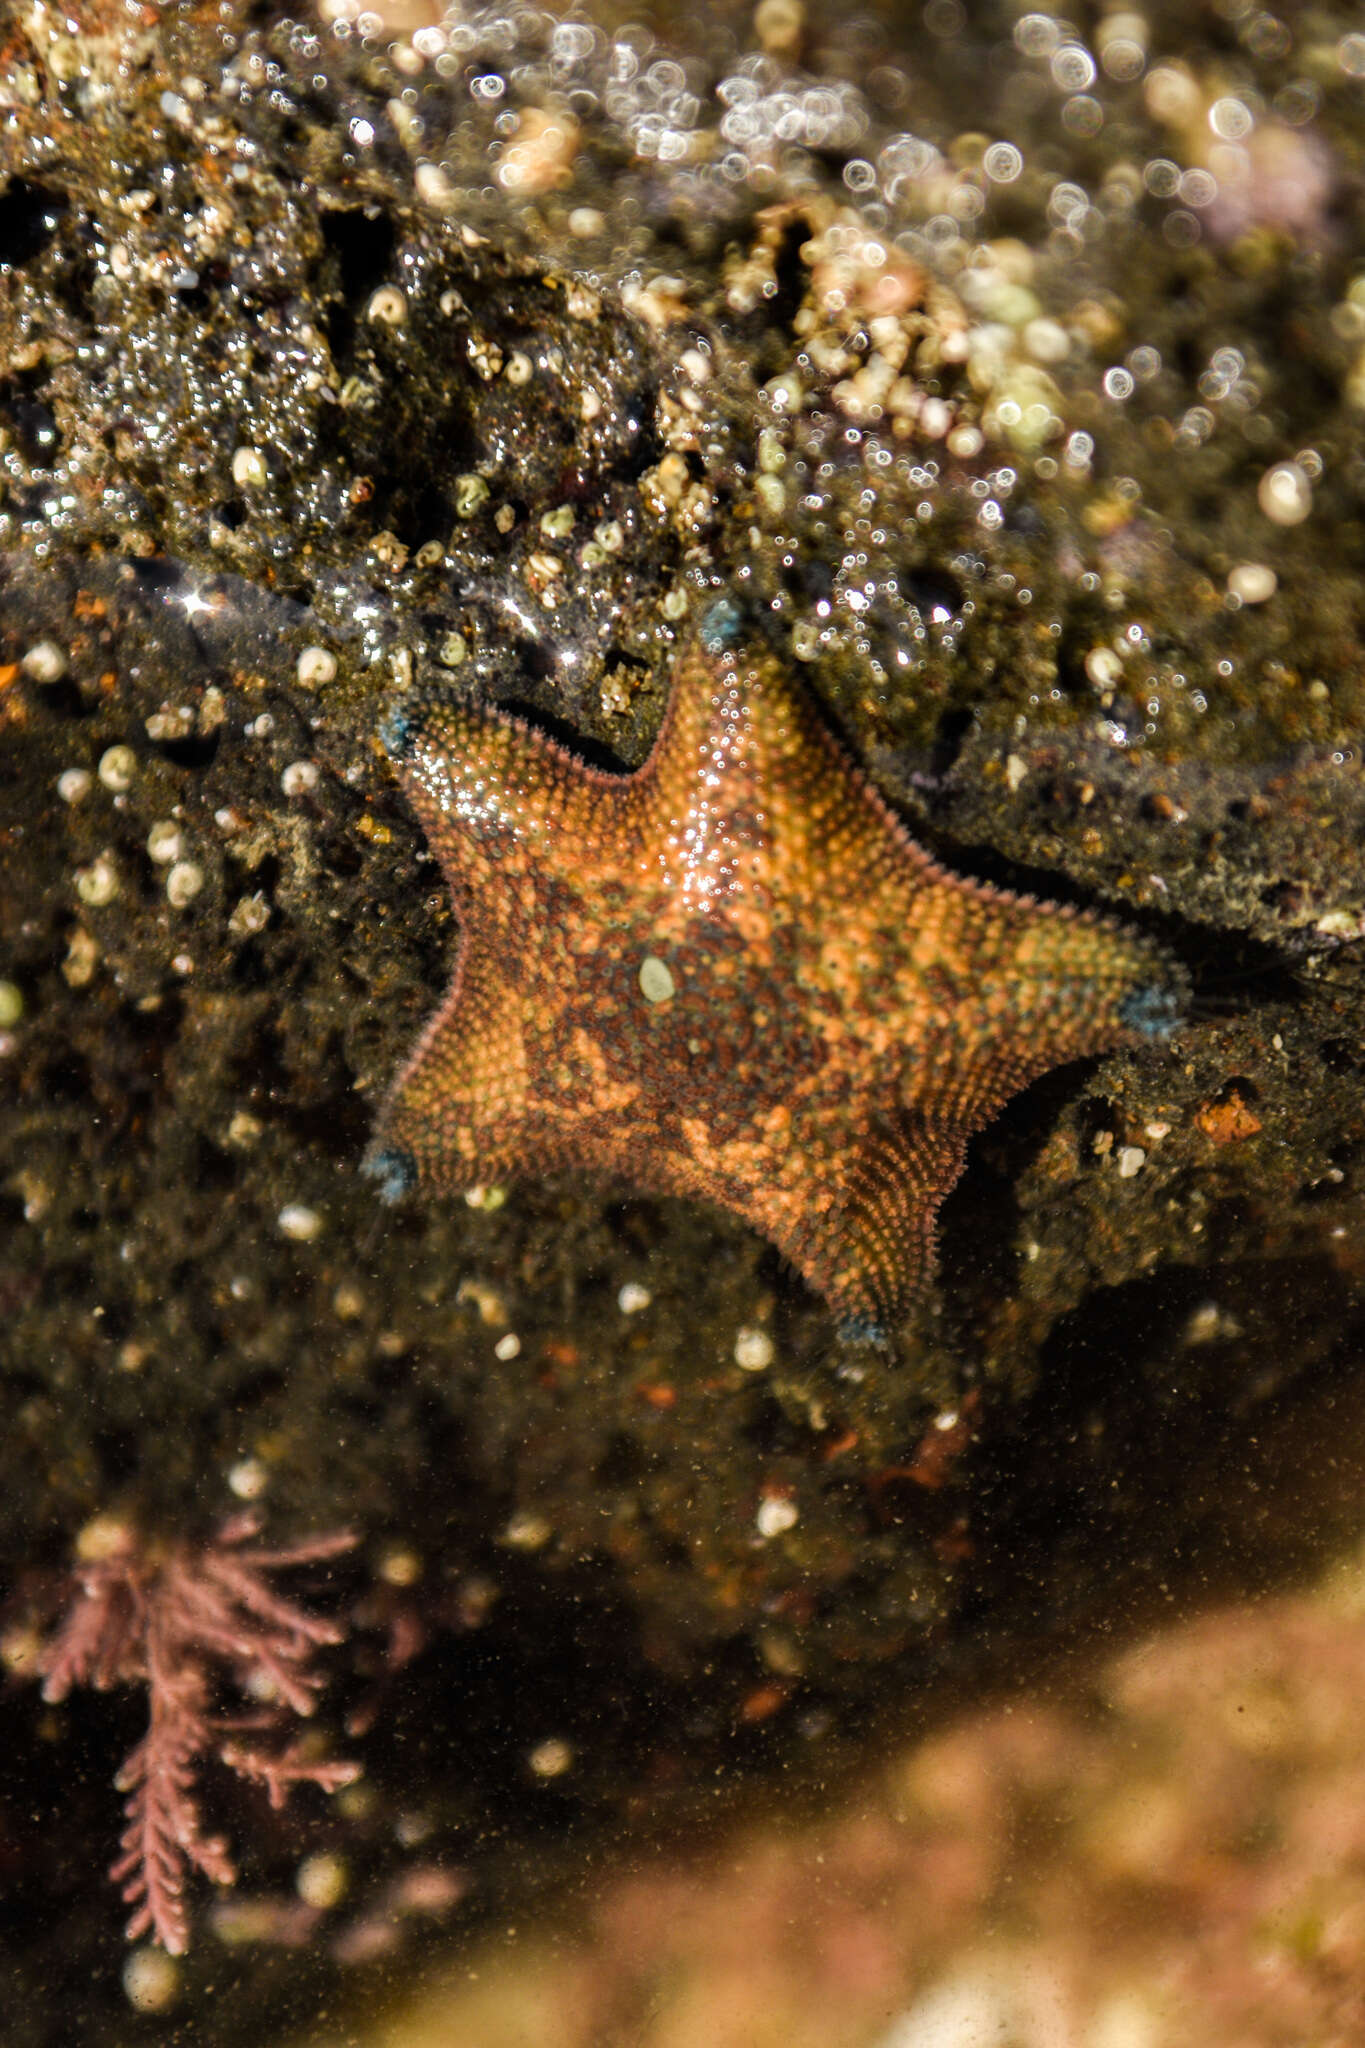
(330, 360)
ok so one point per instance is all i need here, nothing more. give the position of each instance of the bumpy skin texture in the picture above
(732, 975)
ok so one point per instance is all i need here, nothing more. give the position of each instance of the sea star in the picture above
(732, 974)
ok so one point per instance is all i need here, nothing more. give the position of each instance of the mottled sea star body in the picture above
(732, 975)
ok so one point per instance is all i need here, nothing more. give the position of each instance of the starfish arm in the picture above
(747, 799)
(456, 1109)
(496, 798)
(869, 1250)
(1049, 985)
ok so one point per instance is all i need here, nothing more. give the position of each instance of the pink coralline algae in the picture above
(179, 1621)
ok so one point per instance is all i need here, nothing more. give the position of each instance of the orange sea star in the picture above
(732, 975)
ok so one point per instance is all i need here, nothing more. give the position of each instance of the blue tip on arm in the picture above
(398, 728)
(1155, 1010)
(862, 1329)
(394, 1169)
(722, 625)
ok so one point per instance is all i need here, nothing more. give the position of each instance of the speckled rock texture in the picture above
(1015, 372)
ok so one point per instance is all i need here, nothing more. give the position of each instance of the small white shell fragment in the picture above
(249, 1478)
(400, 1566)
(45, 661)
(249, 915)
(118, 766)
(298, 1221)
(1285, 494)
(321, 1881)
(775, 1516)
(165, 841)
(470, 493)
(151, 1980)
(656, 979)
(551, 1758)
(183, 883)
(1252, 582)
(99, 883)
(433, 187)
(316, 666)
(754, 1349)
(388, 306)
(248, 467)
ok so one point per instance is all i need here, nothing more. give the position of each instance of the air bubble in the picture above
(1073, 68)
(1002, 163)
(1037, 35)
(1161, 177)
(1230, 120)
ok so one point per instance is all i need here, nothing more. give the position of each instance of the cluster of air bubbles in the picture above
(653, 101)
(1072, 67)
(1231, 154)
(1226, 388)
(900, 276)
(905, 163)
(762, 115)
(1140, 366)
(573, 44)
(766, 109)
(1223, 382)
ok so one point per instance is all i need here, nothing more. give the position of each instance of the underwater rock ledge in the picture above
(328, 372)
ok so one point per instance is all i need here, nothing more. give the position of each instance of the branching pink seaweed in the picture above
(170, 1619)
